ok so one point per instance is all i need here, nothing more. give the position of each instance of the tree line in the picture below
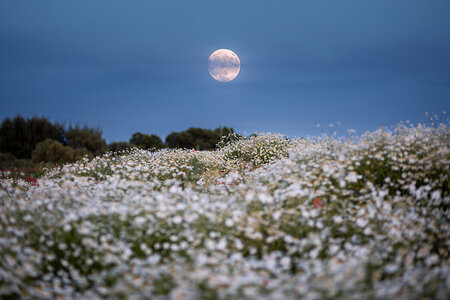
(37, 139)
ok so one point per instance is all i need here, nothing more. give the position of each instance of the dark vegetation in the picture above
(27, 143)
(197, 138)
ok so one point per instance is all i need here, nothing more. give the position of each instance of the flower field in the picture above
(263, 217)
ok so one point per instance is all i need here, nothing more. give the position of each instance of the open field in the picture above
(262, 218)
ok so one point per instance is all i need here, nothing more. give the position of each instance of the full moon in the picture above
(224, 65)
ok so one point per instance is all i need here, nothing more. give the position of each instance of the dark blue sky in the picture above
(129, 66)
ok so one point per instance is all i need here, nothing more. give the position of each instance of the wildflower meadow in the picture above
(262, 217)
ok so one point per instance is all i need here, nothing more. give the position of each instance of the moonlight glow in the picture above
(224, 65)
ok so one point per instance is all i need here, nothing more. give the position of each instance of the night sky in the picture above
(128, 66)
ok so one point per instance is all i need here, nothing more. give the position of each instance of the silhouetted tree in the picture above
(197, 138)
(19, 136)
(85, 141)
(145, 141)
(172, 140)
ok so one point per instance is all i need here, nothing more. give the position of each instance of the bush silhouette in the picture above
(52, 151)
(19, 136)
(85, 141)
(145, 141)
(197, 138)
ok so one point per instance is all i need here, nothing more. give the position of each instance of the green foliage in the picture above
(19, 136)
(206, 292)
(229, 137)
(164, 284)
(85, 141)
(52, 151)
(197, 138)
(145, 141)
(195, 170)
(9, 161)
(11, 167)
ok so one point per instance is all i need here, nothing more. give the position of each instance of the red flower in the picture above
(31, 180)
(317, 203)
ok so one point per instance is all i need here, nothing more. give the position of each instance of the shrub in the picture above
(7, 160)
(257, 149)
(52, 151)
(85, 141)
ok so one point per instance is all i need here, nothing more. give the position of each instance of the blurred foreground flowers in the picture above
(264, 217)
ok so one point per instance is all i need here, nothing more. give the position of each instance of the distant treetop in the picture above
(197, 138)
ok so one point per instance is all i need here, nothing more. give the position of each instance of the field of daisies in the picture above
(262, 217)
